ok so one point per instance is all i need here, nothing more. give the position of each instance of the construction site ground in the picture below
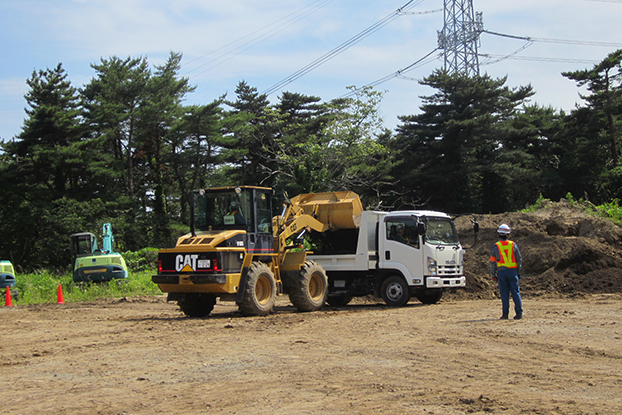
(141, 355)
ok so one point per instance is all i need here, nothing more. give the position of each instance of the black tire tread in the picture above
(298, 287)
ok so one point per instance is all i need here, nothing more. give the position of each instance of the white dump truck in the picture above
(391, 255)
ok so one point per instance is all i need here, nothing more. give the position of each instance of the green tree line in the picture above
(125, 149)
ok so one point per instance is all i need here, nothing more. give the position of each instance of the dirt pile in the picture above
(566, 249)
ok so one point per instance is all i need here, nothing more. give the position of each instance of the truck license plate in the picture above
(204, 263)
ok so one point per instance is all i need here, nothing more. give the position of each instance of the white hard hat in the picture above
(504, 229)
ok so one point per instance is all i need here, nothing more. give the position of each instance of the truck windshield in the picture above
(441, 231)
(223, 210)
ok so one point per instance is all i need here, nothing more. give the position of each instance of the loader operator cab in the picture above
(245, 208)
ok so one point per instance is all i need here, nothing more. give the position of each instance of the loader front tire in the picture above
(259, 292)
(308, 288)
(197, 305)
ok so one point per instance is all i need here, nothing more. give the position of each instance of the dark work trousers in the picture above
(508, 285)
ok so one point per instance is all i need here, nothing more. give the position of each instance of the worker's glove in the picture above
(494, 277)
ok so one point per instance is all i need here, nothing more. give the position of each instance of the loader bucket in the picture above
(340, 210)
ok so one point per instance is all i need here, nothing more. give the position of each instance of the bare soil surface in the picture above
(141, 355)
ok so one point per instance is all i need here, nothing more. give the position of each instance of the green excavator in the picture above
(91, 264)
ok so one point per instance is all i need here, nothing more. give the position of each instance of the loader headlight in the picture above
(432, 266)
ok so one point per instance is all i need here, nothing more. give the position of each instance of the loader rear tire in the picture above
(197, 305)
(394, 291)
(259, 292)
(308, 288)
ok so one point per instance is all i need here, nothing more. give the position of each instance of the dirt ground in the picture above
(141, 355)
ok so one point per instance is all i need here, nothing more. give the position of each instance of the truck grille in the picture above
(449, 270)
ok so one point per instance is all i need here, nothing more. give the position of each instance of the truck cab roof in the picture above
(417, 213)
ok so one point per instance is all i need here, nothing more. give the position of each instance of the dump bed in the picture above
(365, 257)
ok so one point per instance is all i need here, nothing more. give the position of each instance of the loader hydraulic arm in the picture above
(291, 222)
(316, 212)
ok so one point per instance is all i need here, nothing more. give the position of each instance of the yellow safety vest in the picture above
(506, 252)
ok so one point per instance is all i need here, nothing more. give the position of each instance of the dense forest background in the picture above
(125, 149)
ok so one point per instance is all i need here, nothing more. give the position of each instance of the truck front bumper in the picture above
(445, 282)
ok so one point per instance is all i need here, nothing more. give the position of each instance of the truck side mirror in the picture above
(421, 228)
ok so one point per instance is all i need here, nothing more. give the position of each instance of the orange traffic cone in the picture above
(8, 302)
(60, 295)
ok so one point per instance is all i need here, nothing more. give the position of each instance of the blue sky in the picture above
(264, 42)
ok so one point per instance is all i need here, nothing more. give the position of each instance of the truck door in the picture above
(399, 247)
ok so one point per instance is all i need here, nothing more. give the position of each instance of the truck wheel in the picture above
(260, 291)
(308, 289)
(197, 305)
(339, 300)
(430, 296)
(394, 291)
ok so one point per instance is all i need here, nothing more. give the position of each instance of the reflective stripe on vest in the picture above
(506, 252)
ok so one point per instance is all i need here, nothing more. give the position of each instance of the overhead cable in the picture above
(398, 74)
(347, 44)
(568, 42)
(534, 58)
(289, 20)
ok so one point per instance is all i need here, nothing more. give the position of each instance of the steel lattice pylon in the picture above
(460, 37)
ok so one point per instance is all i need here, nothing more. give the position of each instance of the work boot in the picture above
(518, 317)
(503, 317)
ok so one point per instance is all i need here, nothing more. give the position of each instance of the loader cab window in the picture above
(440, 231)
(223, 210)
(402, 230)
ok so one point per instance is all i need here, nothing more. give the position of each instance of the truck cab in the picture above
(393, 256)
(422, 246)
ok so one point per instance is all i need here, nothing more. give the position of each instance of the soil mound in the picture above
(566, 249)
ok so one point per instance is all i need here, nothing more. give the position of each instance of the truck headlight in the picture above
(431, 266)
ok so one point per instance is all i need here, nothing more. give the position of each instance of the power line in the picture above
(534, 58)
(563, 41)
(289, 20)
(346, 45)
(400, 73)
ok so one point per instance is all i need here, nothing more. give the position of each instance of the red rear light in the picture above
(159, 265)
(216, 265)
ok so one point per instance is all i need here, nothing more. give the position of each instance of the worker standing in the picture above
(505, 267)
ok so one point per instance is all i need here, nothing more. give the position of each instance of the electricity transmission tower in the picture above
(460, 37)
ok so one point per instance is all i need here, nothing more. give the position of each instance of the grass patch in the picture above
(42, 287)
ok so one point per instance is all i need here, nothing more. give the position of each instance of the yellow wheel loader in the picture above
(236, 251)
